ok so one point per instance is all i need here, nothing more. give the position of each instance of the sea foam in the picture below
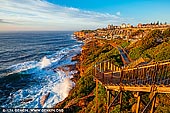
(45, 62)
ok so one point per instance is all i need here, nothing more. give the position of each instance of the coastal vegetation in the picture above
(154, 45)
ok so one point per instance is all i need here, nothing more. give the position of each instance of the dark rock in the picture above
(26, 100)
(44, 98)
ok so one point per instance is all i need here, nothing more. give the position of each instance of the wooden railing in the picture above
(157, 73)
(107, 72)
(106, 66)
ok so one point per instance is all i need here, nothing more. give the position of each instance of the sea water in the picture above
(27, 63)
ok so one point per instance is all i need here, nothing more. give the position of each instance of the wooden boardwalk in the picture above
(153, 78)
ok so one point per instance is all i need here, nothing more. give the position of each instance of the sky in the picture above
(72, 15)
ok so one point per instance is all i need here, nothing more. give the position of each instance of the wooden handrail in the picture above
(148, 74)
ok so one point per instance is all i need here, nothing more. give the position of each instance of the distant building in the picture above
(139, 25)
(151, 25)
(123, 25)
(129, 26)
(110, 26)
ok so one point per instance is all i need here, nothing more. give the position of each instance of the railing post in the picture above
(111, 66)
(121, 77)
(104, 66)
(114, 68)
(143, 75)
(138, 102)
(108, 65)
(117, 69)
(121, 83)
(153, 105)
(121, 94)
(166, 73)
(162, 74)
(151, 100)
(136, 76)
(156, 73)
(96, 108)
(100, 67)
(95, 70)
(108, 100)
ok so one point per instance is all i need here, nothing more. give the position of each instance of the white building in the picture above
(123, 25)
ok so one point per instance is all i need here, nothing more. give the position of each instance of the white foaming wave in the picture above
(57, 90)
(45, 80)
(45, 62)
(77, 48)
(22, 67)
(58, 55)
(77, 45)
(60, 90)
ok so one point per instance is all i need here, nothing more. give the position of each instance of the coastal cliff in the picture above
(81, 98)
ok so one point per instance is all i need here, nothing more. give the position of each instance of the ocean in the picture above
(27, 63)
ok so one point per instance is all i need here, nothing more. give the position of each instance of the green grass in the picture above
(150, 48)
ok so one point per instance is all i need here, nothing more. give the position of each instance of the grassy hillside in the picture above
(155, 46)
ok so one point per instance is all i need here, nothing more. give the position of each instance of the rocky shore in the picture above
(76, 76)
(72, 70)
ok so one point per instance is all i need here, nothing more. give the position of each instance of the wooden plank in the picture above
(108, 65)
(111, 68)
(100, 67)
(110, 72)
(146, 107)
(95, 70)
(114, 68)
(121, 94)
(138, 102)
(153, 105)
(104, 68)
(148, 66)
(108, 100)
(138, 88)
(114, 100)
(96, 108)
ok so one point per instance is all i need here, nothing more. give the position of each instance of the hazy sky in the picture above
(79, 14)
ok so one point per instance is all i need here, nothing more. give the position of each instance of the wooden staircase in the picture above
(153, 78)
